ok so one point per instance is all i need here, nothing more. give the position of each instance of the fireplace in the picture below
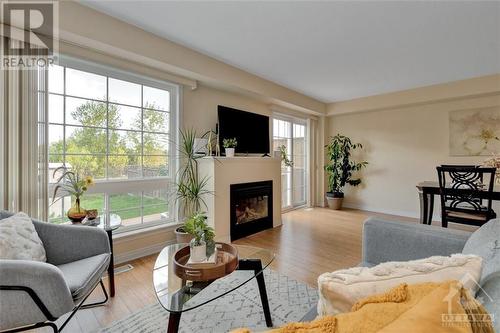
(251, 208)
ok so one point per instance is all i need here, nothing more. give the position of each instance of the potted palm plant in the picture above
(189, 188)
(340, 168)
(229, 146)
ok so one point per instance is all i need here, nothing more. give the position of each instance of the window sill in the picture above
(145, 231)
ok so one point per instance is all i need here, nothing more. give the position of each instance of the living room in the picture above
(249, 166)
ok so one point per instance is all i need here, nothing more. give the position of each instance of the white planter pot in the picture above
(198, 253)
(182, 237)
(229, 152)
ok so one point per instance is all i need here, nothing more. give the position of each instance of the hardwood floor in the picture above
(310, 241)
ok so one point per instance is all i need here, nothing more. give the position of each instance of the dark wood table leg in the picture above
(427, 207)
(111, 267)
(423, 206)
(173, 322)
(256, 266)
(430, 208)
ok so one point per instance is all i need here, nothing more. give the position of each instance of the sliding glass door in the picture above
(292, 135)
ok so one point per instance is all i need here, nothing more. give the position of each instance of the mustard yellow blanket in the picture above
(421, 308)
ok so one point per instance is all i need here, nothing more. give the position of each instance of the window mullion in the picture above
(142, 131)
(64, 136)
(142, 151)
(106, 194)
(107, 129)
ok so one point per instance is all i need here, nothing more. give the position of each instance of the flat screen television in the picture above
(251, 130)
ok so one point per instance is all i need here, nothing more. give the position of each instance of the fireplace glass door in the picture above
(251, 208)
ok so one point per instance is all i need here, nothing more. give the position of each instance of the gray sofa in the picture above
(394, 241)
(77, 257)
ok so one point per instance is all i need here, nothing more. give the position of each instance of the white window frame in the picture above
(108, 187)
(304, 122)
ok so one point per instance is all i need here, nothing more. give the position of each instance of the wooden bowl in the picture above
(227, 262)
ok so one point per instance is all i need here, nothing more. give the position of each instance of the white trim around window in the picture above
(143, 184)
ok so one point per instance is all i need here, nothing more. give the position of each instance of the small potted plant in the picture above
(229, 146)
(72, 184)
(197, 227)
(340, 168)
(182, 236)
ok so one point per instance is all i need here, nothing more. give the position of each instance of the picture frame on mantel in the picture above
(474, 132)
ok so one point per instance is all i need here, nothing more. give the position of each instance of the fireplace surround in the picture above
(251, 208)
(222, 172)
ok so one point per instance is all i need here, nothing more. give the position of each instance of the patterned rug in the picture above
(289, 301)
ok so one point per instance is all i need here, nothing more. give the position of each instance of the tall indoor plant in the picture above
(340, 168)
(190, 188)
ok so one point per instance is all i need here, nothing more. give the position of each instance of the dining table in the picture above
(428, 189)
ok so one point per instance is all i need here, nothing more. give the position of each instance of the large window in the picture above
(291, 133)
(118, 128)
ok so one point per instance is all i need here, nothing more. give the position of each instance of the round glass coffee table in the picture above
(177, 296)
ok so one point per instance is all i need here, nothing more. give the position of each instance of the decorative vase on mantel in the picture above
(76, 213)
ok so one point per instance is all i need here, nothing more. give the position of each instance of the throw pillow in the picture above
(485, 242)
(19, 239)
(339, 290)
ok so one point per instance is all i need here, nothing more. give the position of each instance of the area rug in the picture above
(289, 301)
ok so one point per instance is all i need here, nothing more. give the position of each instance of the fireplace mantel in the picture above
(225, 171)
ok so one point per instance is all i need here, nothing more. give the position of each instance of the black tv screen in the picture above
(251, 130)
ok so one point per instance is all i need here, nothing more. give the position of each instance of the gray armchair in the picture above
(34, 294)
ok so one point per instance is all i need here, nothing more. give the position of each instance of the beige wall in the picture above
(403, 146)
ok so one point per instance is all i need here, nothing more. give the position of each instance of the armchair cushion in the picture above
(46, 280)
(19, 239)
(68, 243)
(82, 275)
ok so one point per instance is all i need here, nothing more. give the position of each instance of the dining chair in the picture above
(466, 194)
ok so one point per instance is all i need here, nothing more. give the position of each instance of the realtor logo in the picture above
(29, 33)
(452, 319)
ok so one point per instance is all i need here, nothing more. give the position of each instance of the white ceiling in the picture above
(332, 50)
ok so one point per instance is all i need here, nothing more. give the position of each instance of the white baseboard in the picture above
(403, 213)
(142, 252)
